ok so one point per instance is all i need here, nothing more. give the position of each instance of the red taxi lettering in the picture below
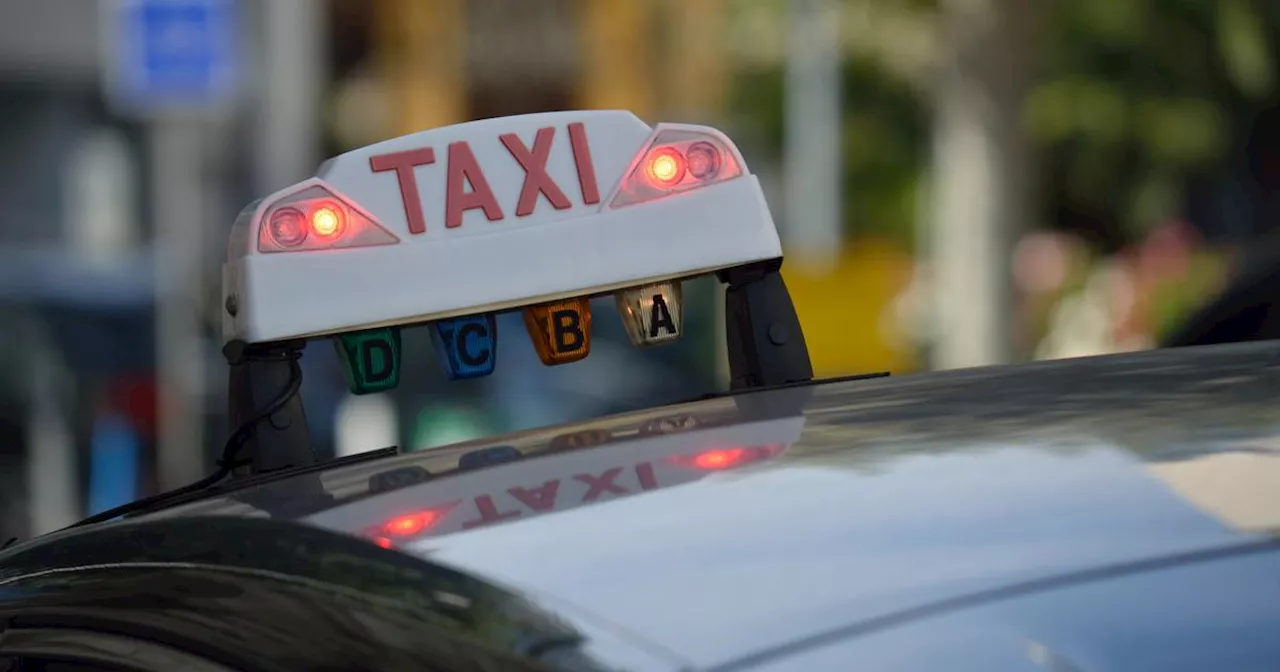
(582, 160)
(534, 163)
(541, 498)
(463, 170)
(598, 485)
(404, 163)
(644, 472)
(489, 513)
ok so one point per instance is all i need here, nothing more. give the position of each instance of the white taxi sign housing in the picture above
(491, 215)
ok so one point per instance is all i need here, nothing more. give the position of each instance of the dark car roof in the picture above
(861, 502)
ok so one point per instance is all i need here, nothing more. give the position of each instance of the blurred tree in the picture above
(1138, 99)
(1134, 102)
(885, 142)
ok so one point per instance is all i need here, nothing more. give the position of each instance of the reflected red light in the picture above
(410, 524)
(726, 458)
(387, 534)
(719, 459)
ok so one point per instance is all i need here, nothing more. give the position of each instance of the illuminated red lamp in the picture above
(327, 220)
(665, 166)
(318, 219)
(675, 161)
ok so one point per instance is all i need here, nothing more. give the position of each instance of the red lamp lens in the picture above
(666, 166)
(704, 160)
(288, 227)
(326, 220)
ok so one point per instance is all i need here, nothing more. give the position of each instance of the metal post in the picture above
(53, 491)
(980, 176)
(291, 92)
(177, 192)
(811, 228)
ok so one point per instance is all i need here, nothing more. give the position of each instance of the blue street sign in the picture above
(173, 53)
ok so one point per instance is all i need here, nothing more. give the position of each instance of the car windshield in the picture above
(1169, 409)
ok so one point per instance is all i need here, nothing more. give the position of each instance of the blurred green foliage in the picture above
(885, 143)
(1137, 97)
(1132, 101)
(1172, 301)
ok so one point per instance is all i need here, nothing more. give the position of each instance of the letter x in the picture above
(598, 485)
(536, 179)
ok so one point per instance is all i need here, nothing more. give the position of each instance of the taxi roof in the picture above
(886, 495)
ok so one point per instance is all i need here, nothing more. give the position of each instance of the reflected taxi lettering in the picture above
(466, 187)
(542, 498)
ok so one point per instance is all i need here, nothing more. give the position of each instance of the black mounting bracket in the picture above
(766, 345)
(259, 374)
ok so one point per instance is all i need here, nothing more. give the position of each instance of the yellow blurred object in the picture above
(423, 55)
(615, 60)
(844, 312)
(693, 64)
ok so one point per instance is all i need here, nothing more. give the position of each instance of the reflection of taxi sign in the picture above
(511, 489)
(581, 439)
(398, 478)
(538, 213)
(486, 457)
(670, 425)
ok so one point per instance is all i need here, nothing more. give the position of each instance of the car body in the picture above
(1100, 513)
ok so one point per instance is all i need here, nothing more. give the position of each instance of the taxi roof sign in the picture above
(491, 215)
(452, 225)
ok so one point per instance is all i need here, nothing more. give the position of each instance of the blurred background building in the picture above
(957, 182)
